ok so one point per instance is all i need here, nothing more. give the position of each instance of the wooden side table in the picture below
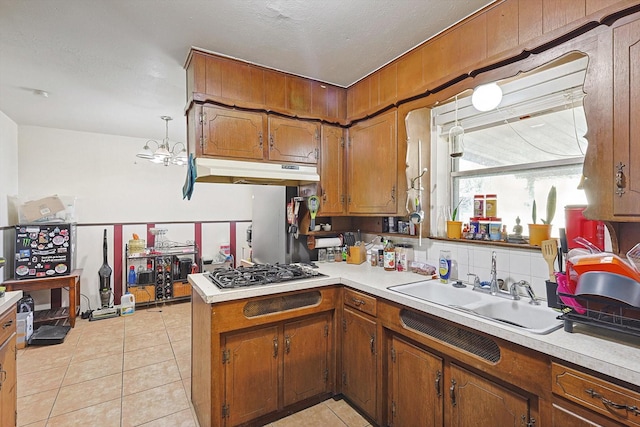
(71, 281)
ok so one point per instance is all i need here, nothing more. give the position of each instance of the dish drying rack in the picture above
(602, 313)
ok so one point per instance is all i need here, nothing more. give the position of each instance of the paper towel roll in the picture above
(328, 242)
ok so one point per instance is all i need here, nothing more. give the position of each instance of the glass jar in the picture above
(322, 255)
(337, 253)
(330, 255)
(478, 205)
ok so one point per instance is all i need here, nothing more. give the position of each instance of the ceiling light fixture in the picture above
(486, 97)
(164, 153)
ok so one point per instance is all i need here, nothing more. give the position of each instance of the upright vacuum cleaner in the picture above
(104, 275)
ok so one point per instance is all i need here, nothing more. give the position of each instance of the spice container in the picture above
(380, 257)
(491, 205)
(373, 257)
(338, 254)
(478, 205)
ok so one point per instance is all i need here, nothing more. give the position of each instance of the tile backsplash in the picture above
(513, 264)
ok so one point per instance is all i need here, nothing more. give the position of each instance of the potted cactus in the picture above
(540, 232)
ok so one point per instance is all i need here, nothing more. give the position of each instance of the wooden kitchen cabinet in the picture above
(332, 171)
(251, 362)
(372, 154)
(233, 133)
(626, 125)
(415, 386)
(306, 358)
(8, 373)
(359, 360)
(596, 400)
(295, 141)
(472, 398)
(254, 361)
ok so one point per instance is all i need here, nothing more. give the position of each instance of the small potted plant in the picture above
(540, 232)
(454, 228)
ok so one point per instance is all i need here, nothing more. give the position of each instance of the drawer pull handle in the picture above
(452, 393)
(358, 302)
(275, 348)
(591, 392)
(7, 324)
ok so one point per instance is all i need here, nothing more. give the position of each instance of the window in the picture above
(533, 140)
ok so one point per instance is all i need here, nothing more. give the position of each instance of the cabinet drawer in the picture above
(7, 324)
(360, 301)
(614, 401)
(181, 289)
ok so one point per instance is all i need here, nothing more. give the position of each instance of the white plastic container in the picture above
(127, 304)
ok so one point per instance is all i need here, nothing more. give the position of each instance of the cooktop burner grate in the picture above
(260, 274)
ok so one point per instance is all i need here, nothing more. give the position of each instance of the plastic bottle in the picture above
(132, 276)
(389, 256)
(445, 266)
(127, 304)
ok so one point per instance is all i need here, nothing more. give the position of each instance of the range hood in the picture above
(242, 172)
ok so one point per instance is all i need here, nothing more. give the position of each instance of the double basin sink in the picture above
(520, 314)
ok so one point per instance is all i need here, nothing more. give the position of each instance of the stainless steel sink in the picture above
(537, 319)
(438, 293)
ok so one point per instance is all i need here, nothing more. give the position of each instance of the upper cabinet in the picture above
(332, 172)
(235, 83)
(294, 141)
(372, 170)
(626, 125)
(233, 133)
(499, 32)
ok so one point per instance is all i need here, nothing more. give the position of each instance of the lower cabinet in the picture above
(590, 401)
(291, 358)
(473, 398)
(8, 374)
(415, 384)
(252, 360)
(359, 361)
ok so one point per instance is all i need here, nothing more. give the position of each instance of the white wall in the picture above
(111, 186)
(8, 183)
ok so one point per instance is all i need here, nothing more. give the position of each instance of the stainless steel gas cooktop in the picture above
(261, 274)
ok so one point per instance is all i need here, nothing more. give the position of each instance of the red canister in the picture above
(578, 226)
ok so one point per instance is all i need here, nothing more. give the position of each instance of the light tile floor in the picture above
(129, 371)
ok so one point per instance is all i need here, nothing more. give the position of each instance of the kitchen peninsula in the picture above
(527, 367)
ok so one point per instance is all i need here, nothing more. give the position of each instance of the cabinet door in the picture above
(306, 358)
(626, 113)
(415, 385)
(232, 133)
(473, 398)
(565, 414)
(8, 380)
(293, 140)
(359, 361)
(332, 171)
(372, 166)
(251, 374)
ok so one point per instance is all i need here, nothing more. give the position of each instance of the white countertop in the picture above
(614, 354)
(9, 300)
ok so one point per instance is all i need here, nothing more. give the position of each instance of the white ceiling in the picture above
(116, 66)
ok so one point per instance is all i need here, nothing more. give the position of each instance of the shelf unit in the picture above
(161, 273)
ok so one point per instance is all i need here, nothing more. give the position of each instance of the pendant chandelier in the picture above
(164, 153)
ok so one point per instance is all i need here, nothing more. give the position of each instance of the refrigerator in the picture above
(44, 250)
(271, 241)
